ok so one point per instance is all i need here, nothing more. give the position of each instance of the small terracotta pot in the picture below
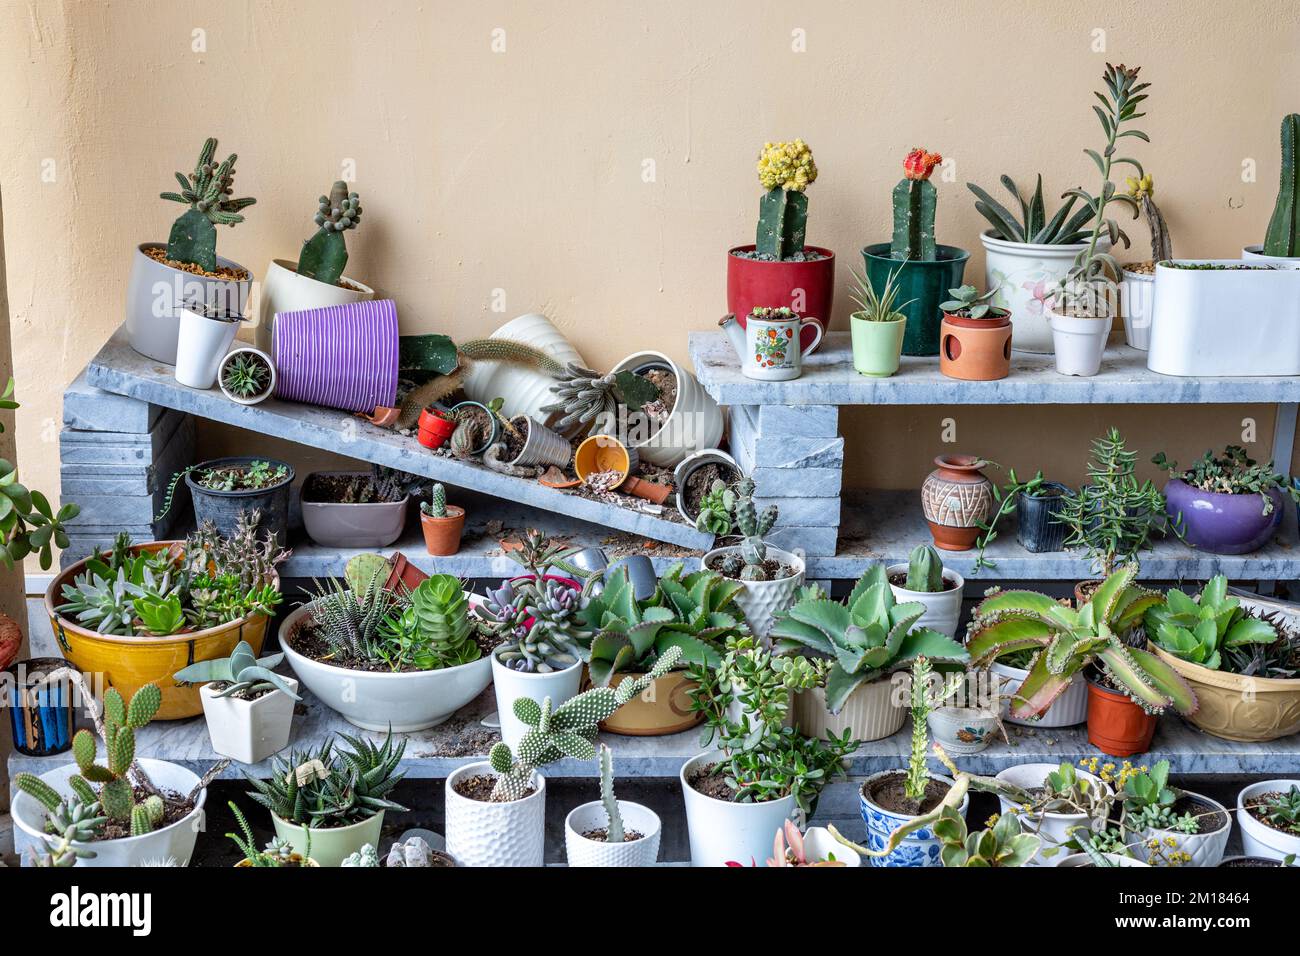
(1116, 725)
(956, 497)
(434, 431)
(403, 573)
(663, 708)
(1084, 590)
(975, 350)
(442, 535)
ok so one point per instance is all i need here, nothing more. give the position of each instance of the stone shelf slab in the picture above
(121, 370)
(830, 379)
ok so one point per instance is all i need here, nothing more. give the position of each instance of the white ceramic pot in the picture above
(495, 834)
(722, 832)
(1082, 859)
(874, 711)
(592, 816)
(1079, 343)
(1053, 828)
(510, 685)
(1024, 274)
(819, 845)
(374, 700)
(942, 608)
(284, 290)
(248, 730)
(694, 424)
(1068, 710)
(710, 456)
(332, 845)
(1226, 321)
(1258, 839)
(522, 390)
(1256, 253)
(963, 730)
(204, 339)
(261, 396)
(1138, 300)
(762, 601)
(919, 848)
(1205, 849)
(175, 841)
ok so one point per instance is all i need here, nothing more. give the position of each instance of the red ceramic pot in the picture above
(753, 283)
(433, 430)
(1116, 725)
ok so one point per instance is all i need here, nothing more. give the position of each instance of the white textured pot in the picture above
(495, 834)
(284, 290)
(248, 730)
(1226, 322)
(1255, 253)
(204, 339)
(374, 700)
(919, 848)
(942, 608)
(1082, 859)
(1068, 710)
(175, 841)
(522, 390)
(694, 424)
(1024, 274)
(721, 831)
(1205, 849)
(1079, 343)
(963, 730)
(1138, 300)
(510, 685)
(874, 711)
(689, 464)
(261, 396)
(1054, 828)
(592, 816)
(330, 846)
(1258, 839)
(762, 601)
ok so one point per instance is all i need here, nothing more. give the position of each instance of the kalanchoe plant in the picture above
(243, 674)
(1282, 238)
(325, 254)
(1032, 226)
(785, 170)
(208, 191)
(915, 200)
(968, 302)
(1204, 630)
(1232, 473)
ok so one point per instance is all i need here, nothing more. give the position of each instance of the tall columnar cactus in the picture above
(116, 795)
(437, 501)
(918, 777)
(208, 192)
(915, 200)
(1280, 240)
(785, 171)
(614, 832)
(325, 254)
(924, 570)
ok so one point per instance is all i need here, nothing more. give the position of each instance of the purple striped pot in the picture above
(340, 356)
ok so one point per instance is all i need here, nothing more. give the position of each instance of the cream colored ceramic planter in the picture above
(1253, 709)
(694, 424)
(872, 712)
(523, 391)
(284, 290)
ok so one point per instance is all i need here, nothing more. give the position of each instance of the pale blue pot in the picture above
(917, 849)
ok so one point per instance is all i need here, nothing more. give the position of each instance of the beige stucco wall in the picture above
(517, 180)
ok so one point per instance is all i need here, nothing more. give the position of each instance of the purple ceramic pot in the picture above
(1223, 523)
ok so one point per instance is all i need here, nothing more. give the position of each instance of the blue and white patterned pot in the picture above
(917, 849)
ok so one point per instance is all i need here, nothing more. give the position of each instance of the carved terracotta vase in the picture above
(956, 497)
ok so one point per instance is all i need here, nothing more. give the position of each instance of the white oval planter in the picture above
(1079, 343)
(1205, 849)
(1068, 710)
(919, 848)
(495, 834)
(819, 845)
(942, 608)
(510, 685)
(874, 711)
(261, 396)
(689, 464)
(1258, 839)
(1024, 273)
(284, 290)
(592, 816)
(762, 601)
(374, 700)
(694, 424)
(722, 832)
(522, 390)
(1082, 859)
(332, 845)
(175, 841)
(203, 341)
(1138, 300)
(1053, 828)
(1255, 253)
(248, 730)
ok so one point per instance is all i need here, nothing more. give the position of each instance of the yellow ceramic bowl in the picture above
(128, 663)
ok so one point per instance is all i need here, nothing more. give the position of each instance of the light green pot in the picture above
(330, 847)
(877, 345)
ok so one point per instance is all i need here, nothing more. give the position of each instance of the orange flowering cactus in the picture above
(919, 164)
(914, 206)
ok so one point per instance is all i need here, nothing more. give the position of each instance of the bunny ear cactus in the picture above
(325, 254)
(915, 201)
(1280, 240)
(208, 192)
(614, 832)
(116, 794)
(785, 171)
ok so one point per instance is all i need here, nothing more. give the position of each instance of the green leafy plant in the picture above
(1005, 843)
(925, 570)
(160, 616)
(277, 853)
(1149, 802)
(968, 302)
(246, 375)
(1281, 239)
(28, 525)
(325, 255)
(1004, 497)
(716, 507)
(208, 193)
(1232, 473)
(1204, 629)
(915, 201)
(1282, 810)
(69, 823)
(243, 673)
(1032, 226)
(881, 306)
(749, 561)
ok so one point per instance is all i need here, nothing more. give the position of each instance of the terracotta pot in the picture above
(753, 283)
(663, 708)
(442, 535)
(434, 431)
(1116, 725)
(403, 573)
(1234, 707)
(956, 497)
(975, 350)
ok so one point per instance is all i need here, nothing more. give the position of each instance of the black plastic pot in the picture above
(1037, 531)
(224, 508)
(42, 715)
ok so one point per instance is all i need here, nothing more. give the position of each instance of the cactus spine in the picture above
(924, 570)
(1280, 240)
(915, 201)
(325, 254)
(614, 833)
(38, 790)
(785, 170)
(207, 191)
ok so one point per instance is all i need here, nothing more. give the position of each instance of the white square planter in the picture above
(249, 730)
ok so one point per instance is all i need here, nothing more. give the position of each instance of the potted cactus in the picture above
(316, 280)
(186, 270)
(778, 269)
(927, 582)
(1281, 244)
(442, 524)
(609, 831)
(1138, 291)
(925, 270)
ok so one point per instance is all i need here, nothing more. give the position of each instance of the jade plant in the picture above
(243, 674)
(915, 200)
(1280, 239)
(325, 254)
(1206, 630)
(1232, 473)
(749, 561)
(1032, 226)
(785, 170)
(925, 570)
(208, 191)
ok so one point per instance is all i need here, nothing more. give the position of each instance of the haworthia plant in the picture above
(325, 254)
(1280, 240)
(208, 193)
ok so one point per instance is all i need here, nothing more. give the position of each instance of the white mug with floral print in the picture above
(770, 350)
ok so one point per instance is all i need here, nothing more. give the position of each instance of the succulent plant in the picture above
(439, 616)
(1003, 844)
(1033, 225)
(325, 254)
(349, 621)
(716, 507)
(925, 570)
(969, 302)
(246, 375)
(69, 822)
(915, 200)
(785, 170)
(1149, 802)
(277, 853)
(878, 306)
(1143, 189)
(243, 672)
(553, 641)
(1281, 239)
(105, 605)
(614, 831)
(116, 795)
(1232, 473)
(1204, 630)
(748, 562)
(585, 397)
(208, 192)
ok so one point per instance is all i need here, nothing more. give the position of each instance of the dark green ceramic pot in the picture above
(925, 282)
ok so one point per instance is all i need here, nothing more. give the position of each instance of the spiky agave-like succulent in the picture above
(349, 620)
(243, 672)
(245, 375)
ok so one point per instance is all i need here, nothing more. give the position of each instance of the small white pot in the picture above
(1079, 343)
(762, 601)
(1138, 300)
(942, 608)
(522, 390)
(963, 730)
(1259, 839)
(722, 832)
(819, 846)
(495, 834)
(710, 456)
(175, 841)
(1082, 859)
(248, 730)
(1256, 253)
(285, 291)
(1054, 828)
(592, 816)
(261, 396)
(1205, 849)
(205, 338)
(1068, 710)
(919, 848)
(510, 685)
(694, 424)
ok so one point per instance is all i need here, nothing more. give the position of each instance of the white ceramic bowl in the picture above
(1258, 839)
